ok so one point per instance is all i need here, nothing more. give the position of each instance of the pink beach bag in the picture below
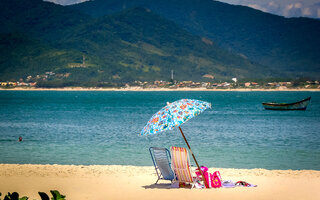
(215, 179)
(206, 175)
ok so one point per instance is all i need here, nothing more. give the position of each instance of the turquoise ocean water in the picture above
(98, 127)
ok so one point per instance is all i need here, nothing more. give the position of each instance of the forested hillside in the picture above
(125, 43)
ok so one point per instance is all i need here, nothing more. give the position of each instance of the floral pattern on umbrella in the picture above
(174, 114)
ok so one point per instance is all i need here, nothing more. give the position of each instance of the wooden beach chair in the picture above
(161, 161)
(180, 164)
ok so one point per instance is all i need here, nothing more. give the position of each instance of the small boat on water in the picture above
(300, 105)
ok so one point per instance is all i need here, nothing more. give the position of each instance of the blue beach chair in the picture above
(161, 160)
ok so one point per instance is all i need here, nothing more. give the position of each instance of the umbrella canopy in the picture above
(174, 114)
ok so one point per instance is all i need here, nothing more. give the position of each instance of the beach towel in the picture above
(228, 184)
(244, 184)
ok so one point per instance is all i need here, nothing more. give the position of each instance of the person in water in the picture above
(20, 139)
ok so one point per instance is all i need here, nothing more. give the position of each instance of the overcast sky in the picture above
(287, 8)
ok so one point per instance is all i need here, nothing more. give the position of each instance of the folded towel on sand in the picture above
(244, 184)
(228, 184)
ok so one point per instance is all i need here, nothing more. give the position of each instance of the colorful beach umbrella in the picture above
(174, 115)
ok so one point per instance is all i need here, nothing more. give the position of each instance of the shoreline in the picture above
(139, 89)
(137, 182)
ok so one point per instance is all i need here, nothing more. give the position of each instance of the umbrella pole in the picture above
(194, 158)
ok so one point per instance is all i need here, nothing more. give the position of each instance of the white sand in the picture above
(99, 182)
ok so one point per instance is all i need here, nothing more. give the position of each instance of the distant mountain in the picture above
(291, 45)
(135, 44)
(38, 18)
(21, 56)
(141, 45)
(28, 30)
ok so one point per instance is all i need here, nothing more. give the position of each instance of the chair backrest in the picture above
(161, 160)
(180, 164)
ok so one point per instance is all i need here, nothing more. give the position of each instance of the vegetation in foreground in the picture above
(55, 196)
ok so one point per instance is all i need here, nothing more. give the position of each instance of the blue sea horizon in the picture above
(102, 128)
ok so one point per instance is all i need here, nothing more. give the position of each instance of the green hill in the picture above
(140, 45)
(291, 45)
(38, 19)
(135, 44)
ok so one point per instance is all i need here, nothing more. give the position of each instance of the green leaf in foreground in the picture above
(56, 195)
(43, 196)
(14, 196)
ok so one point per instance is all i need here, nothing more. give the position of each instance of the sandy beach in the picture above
(101, 182)
(158, 89)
